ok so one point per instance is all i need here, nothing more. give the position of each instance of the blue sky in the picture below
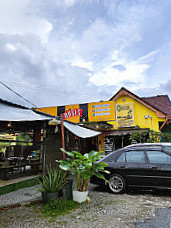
(56, 52)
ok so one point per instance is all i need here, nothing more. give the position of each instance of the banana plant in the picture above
(84, 166)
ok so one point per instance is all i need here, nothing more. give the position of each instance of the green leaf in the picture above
(106, 171)
(66, 165)
(92, 153)
(86, 155)
(70, 154)
(99, 175)
(100, 165)
(53, 181)
(76, 153)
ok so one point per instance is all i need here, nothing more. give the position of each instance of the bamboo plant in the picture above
(84, 166)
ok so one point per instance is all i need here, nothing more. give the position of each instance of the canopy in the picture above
(11, 113)
(80, 131)
(16, 114)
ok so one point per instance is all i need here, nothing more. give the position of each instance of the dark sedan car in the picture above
(143, 167)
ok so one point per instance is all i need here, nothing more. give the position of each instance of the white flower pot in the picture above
(79, 196)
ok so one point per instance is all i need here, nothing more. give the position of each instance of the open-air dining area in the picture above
(13, 167)
(21, 141)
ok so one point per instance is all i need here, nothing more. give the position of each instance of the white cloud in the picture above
(149, 56)
(134, 71)
(90, 47)
(69, 3)
(11, 47)
(81, 63)
(16, 17)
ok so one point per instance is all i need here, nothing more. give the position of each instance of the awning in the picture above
(10, 113)
(80, 131)
(127, 131)
(15, 114)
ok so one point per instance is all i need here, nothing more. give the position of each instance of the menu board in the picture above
(125, 115)
(101, 111)
(108, 145)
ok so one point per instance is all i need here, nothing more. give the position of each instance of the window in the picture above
(168, 148)
(132, 156)
(121, 158)
(158, 157)
(135, 156)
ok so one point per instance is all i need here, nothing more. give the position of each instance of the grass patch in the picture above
(57, 207)
(23, 184)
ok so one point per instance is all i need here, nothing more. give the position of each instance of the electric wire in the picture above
(34, 106)
(49, 90)
(18, 94)
(45, 90)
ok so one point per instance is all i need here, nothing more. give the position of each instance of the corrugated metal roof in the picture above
(12, 113)
(80, 131)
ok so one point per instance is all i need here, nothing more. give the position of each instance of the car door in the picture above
(159, 168)
(133, 166)
(136, 168)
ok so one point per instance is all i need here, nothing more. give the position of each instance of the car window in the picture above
(168, 148)
(121, 158)
(135, 156)
(111, 156)
(158, 157)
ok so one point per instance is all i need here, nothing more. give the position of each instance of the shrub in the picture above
(53, 181)
(59, 206)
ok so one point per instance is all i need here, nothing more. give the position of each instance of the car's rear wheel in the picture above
(116, 183)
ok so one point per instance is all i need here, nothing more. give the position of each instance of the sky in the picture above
(58, 52)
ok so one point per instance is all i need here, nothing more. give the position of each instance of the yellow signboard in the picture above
(74, 109)
(125, 115)
(48, 110)
(101, 111)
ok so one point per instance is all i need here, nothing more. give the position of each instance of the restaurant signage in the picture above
(125, 115)
(72, 113)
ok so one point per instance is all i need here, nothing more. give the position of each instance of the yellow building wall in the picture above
(48, 110)
(139, 111)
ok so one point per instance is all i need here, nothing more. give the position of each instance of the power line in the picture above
(35, 106)
(44, 89)
(18, 94)
(48, 90)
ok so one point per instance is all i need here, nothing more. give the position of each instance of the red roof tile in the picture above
(161, 102)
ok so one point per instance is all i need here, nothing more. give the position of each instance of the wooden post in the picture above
(122, 141)
(62, 133)
(44, 156)
(63, 146)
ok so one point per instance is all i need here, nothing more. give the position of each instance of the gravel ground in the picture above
(20, 196)
(129, 210)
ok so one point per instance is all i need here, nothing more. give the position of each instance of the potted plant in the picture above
(51, 183)
(83, 167)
